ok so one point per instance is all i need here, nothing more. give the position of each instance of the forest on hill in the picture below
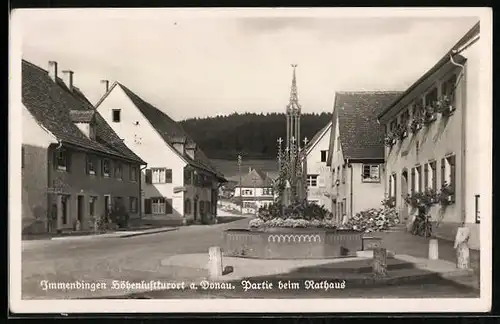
(253, 135)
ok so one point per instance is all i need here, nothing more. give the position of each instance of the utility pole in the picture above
(239, 172)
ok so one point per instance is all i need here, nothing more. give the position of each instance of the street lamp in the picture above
(239, 172)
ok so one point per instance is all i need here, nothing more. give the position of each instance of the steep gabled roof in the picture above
(318, 136)
(361, 137)
(168, 129)
(256, 178)
(55, 107)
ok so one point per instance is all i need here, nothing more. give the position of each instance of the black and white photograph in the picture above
(250, 160)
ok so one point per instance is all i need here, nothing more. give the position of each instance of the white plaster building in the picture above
(179, 184)
(356, 152)
(255, 190)
(318, 173)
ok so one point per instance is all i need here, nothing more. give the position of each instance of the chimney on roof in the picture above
(68, 79)
(106, 85)
(53, 70)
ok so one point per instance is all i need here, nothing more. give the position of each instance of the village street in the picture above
(137, 259)
(96, 259)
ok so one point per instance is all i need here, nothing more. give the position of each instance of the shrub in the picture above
(298, 210)
(119, 216)
(373, 220)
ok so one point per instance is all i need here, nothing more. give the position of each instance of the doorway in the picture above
(107, 204)
(80, 208)
(195, 210)
(404, 192)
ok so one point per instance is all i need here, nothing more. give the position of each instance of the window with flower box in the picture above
(430, 176)
(447, 103)
(430, 111)
(371, 173)
(448, 176)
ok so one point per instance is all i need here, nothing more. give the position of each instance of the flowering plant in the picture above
(401, 131)
(416, 123)
(446, 195)
(389, 202)
(390, 139)
(430, 113)
(445, 105)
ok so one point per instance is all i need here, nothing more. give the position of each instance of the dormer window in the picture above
(116, 115)
(85, 121)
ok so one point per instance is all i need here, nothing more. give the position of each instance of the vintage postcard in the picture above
(281, 160)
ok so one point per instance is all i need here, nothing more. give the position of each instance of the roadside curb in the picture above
(147, 233)
(111, 235)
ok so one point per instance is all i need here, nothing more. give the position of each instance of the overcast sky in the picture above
(204, 66)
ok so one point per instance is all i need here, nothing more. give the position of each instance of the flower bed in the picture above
(373, 220)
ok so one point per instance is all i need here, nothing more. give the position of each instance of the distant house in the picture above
(255, 189)
(435, 141)
(318, 173)
(356, 152)
(74, 167)
(227, 189)
(180, 184)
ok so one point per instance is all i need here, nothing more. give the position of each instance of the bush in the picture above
(292, 223)
(298, 210)
(119, 216)
(373, 220)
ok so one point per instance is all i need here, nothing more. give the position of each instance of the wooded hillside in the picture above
(254, 135)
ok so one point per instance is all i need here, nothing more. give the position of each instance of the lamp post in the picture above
(239, 172)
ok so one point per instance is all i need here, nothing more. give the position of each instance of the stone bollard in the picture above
(215, 267)
(379, 262)
(462, 246)
(433, 249)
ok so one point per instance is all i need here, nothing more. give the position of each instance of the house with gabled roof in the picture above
(356, 151)
(435, 143)
(75, 169)
(254, 190)
(180, 184)
(318, 173)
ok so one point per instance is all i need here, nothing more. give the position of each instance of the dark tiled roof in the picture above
(261, 179)
(82, 116)
(51, 104)
(361, 137)
(171, 131)
(317, 136)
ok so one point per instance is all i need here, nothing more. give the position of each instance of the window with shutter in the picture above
(426, 177)
(147, 206)
(443, 172)
(149, 177)
(412, 180)
(451, 164)
(168, 206)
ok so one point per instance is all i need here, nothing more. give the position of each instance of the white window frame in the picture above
(158, 206)
(62, 156)
(431, 174)
(158, 175)
(418, 178)
(104, 173)
(312, 180)
(372, 169)
(91, 165)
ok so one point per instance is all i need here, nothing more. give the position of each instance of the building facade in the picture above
(356, 152)
(435, 143)
(179, 184)
(75, 170)
(255, 190)
(318, 172)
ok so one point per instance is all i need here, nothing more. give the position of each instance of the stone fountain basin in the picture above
(292, 243)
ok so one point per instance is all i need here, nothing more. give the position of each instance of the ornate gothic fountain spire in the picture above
(293, 110)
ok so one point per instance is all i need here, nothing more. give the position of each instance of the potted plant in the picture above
(416, 123)
(445, 105)
(430, 113)
(400, 132)
(390, 139)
